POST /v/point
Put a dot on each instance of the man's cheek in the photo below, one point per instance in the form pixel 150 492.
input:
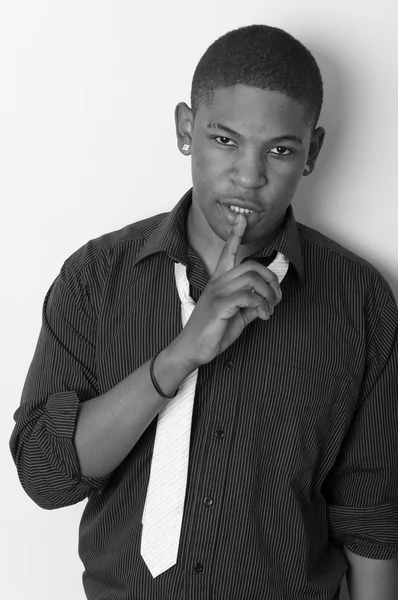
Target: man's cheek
pixel 287 183
pixel 204 171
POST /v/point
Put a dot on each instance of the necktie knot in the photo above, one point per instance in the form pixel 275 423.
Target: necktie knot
pixel 187 304
pixel 180 272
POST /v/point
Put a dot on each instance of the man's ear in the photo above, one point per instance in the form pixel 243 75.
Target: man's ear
pixel 183 117
pixel 317 139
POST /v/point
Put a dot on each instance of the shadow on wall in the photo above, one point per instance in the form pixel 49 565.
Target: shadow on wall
pixel 334 118
pixel 337 107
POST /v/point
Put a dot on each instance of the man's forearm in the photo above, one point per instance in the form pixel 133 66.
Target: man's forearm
pixel 110 425
pixel 370 579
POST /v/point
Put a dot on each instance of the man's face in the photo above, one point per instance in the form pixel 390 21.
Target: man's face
pixel 259 166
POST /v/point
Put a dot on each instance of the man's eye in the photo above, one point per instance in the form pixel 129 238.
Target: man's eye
pixel 223 142
pixel 281 151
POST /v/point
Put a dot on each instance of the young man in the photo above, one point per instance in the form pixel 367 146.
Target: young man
pixel 287 343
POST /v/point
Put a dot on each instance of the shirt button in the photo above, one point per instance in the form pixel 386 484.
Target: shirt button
pixel 198 568
pixel 75 477
pixel 208 501
pixel 219 434
pixel 229 364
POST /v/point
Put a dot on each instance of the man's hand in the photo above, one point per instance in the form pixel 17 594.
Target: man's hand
pixel 233 298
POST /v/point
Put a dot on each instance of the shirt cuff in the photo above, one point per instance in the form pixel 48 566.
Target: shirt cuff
pixel 61 412
pixel 369 549
pixel 61 415
pixel 371 531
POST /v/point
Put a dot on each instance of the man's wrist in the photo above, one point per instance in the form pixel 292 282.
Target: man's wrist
pixel 171 367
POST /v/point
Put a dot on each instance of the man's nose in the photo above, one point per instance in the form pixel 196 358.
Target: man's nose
pixel 249 171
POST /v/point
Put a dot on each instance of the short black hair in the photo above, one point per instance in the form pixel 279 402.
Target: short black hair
pixel 264 57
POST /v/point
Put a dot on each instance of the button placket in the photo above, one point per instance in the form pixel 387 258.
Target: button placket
pixel 212 481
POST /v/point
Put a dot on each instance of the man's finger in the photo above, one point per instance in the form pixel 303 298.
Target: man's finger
pixel 228 256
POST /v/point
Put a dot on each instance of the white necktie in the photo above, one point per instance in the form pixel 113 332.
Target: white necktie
pixel 164 504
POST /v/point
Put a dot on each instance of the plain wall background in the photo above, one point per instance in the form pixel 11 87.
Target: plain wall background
pixel 88 91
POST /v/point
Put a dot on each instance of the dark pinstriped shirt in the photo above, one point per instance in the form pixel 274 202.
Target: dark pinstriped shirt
pixel 294 446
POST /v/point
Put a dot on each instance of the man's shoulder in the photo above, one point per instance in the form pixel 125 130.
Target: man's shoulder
pixel 325 250
pixel 127 240
pixel 317 242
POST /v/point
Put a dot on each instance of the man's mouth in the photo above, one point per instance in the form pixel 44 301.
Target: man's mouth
pixel 230 215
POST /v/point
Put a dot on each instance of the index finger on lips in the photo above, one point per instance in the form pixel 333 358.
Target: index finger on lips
pixel 228 256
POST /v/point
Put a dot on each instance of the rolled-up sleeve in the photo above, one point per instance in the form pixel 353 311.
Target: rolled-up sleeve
pixel 362 488
pixel 61 375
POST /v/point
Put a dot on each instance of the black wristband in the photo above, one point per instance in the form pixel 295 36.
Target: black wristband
pixel 155 383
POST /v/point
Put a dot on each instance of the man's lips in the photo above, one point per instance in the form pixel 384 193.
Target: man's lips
pixel 230 215
pixel 240 204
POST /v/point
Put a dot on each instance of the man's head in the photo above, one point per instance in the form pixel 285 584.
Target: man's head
pixel 265 86
pixel 263 57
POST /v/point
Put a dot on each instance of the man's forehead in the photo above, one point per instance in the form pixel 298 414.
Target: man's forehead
pixel 253 109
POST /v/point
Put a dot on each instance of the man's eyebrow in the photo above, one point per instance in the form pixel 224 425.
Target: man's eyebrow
pixel 213 125
pixel 275 140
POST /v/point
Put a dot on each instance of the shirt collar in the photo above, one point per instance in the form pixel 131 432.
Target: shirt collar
pixel 170 236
